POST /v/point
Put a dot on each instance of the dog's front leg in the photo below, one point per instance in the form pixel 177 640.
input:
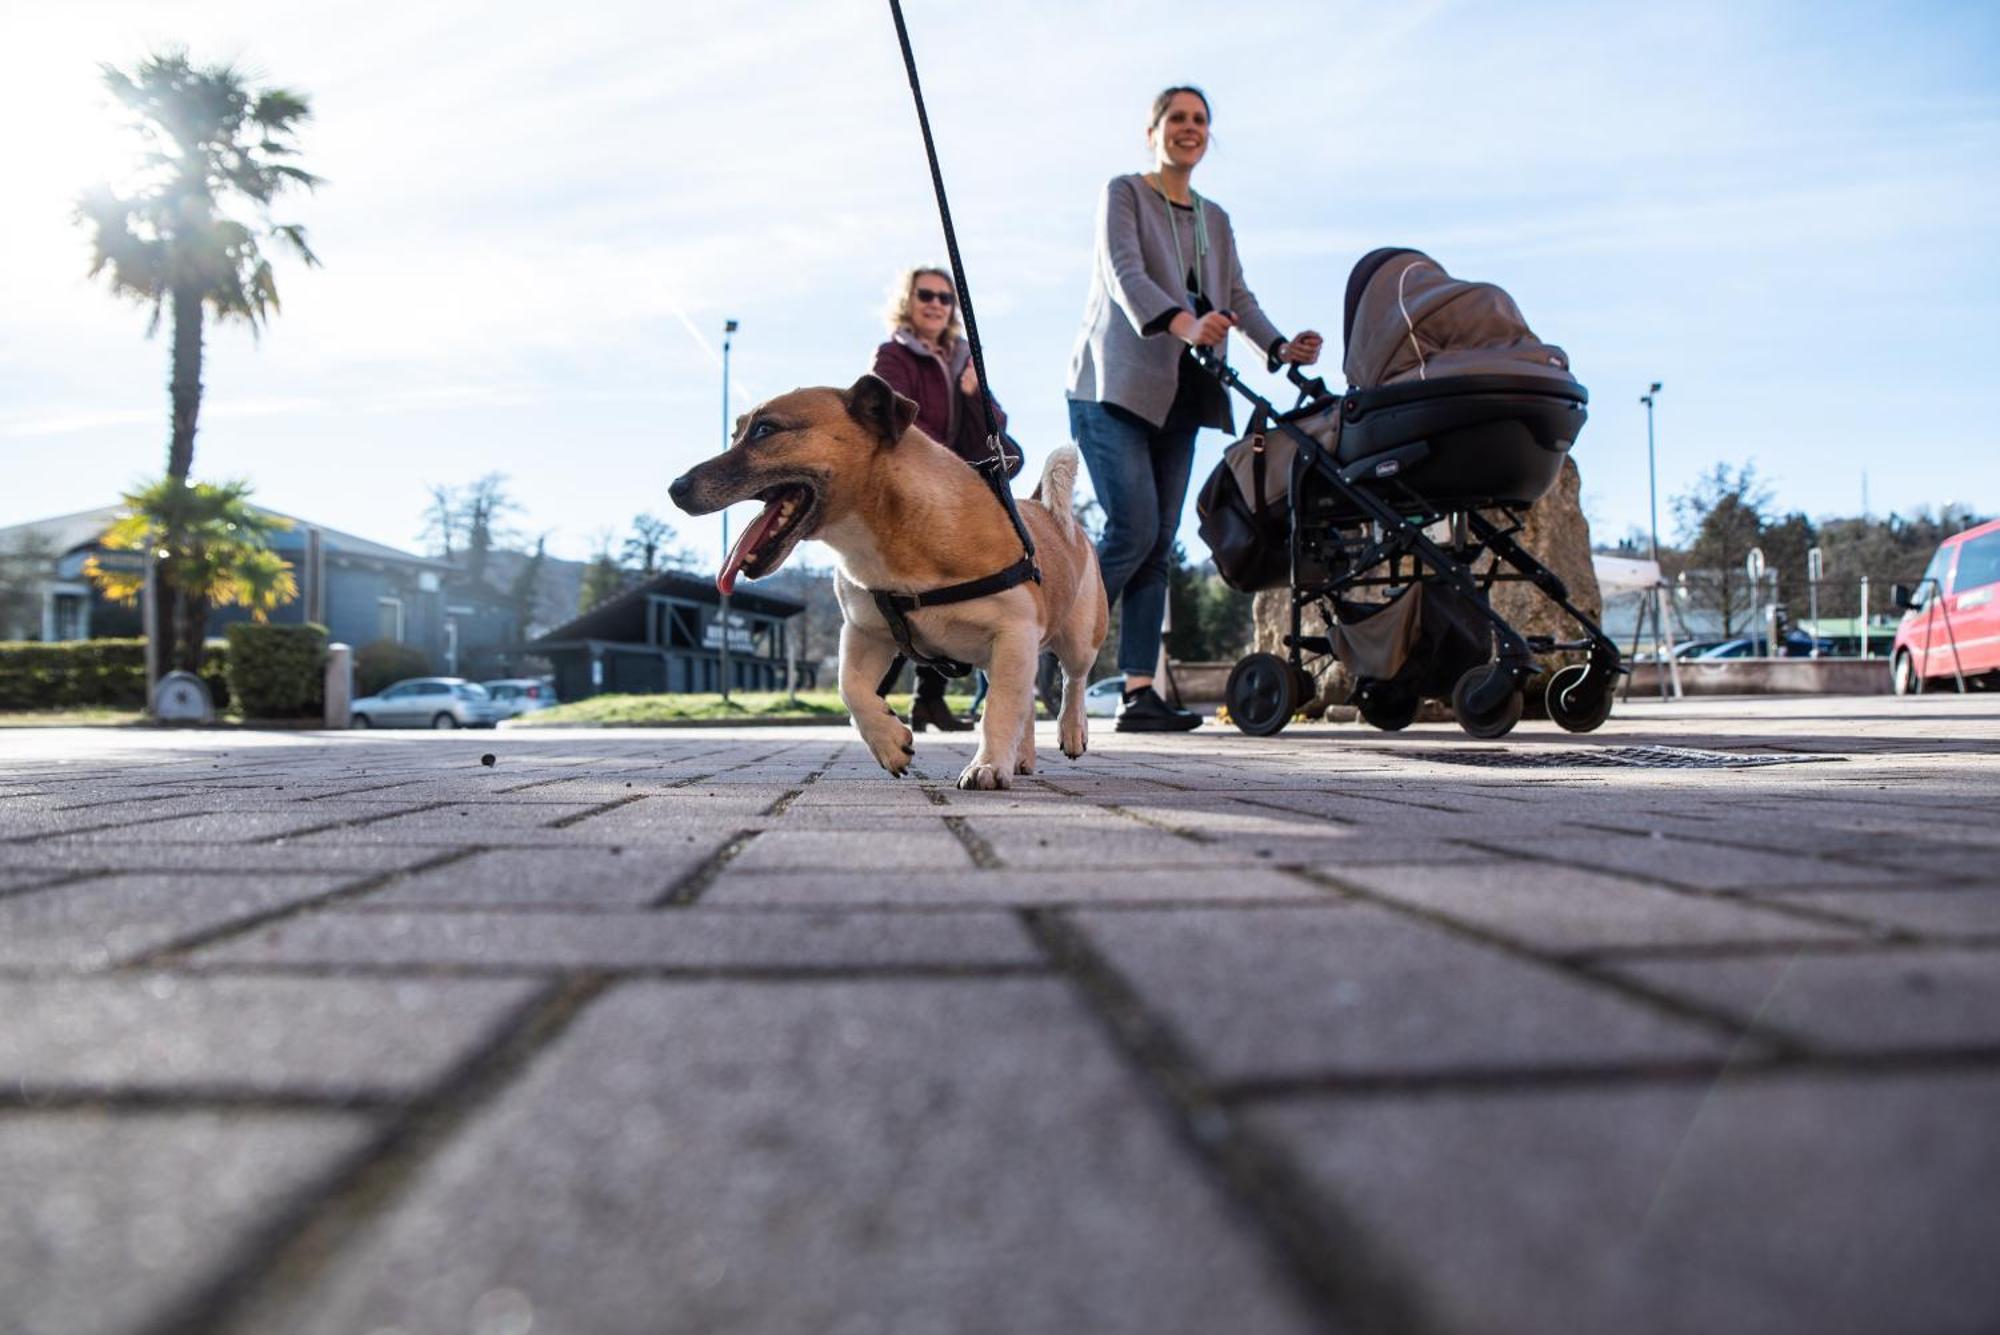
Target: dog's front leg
pixel 864 658
pixel 1010 707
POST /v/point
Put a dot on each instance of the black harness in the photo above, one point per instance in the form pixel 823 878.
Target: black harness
pixel 896 607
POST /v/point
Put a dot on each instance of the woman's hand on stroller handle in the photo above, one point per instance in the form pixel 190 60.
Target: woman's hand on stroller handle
pixel 1302 349
pixel 1205 331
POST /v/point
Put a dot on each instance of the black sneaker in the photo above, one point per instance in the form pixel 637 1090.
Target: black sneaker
pixel 1145 711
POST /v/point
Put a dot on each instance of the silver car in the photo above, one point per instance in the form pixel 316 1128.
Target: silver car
pixel 427 702
pixel 515 696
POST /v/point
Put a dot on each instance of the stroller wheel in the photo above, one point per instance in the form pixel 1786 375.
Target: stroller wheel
pixel 1478 716
pixel 1577 701
pixel 1386 706
pixel 1263 694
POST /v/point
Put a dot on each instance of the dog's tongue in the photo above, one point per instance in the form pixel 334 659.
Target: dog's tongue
pixel 765 521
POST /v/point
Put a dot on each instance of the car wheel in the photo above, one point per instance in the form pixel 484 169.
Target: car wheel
pixel 444 723
pixel 1903 675
pixel 360 721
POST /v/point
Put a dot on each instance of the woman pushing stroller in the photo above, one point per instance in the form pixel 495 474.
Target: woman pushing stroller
pixel 1165 279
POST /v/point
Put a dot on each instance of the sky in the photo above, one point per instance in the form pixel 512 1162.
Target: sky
pixel 536 220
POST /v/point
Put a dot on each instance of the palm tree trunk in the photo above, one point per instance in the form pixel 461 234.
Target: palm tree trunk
pixel 185 386
pixel 170 615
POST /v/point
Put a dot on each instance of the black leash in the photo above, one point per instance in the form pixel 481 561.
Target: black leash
pixel 995 468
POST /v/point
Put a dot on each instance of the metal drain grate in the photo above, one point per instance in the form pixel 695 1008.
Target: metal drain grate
pixel 1613 757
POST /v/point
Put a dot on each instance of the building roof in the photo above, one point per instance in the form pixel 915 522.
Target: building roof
pixel 623 619
pixel 66 533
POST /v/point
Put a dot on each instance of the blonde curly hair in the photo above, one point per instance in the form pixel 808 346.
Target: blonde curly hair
pixel 902 293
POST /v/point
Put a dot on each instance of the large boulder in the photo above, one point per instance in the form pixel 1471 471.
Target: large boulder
pixel 1557 534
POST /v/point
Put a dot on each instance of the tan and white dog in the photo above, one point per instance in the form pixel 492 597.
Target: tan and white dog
pixel 906 515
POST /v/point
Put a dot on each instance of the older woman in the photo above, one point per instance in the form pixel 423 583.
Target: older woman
pixel 926 359
pixel 1166 280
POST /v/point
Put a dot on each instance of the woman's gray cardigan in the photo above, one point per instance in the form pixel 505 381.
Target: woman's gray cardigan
pixel 1124 355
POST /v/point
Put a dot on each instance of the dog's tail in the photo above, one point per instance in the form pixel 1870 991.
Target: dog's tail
pixel 1057 490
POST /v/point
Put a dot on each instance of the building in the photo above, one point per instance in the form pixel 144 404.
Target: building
pixel 667 635
pixel 361 591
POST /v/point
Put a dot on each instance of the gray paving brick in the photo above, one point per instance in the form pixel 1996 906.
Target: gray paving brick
pixel 1776 1206
pixel 681 939
pixel 1866 1001
pixel 552 877
pixel 1697 866
pixel 969 889
pixel 1950 912
pixel 109 919
pixel 1074 846
pixel 1362 990
pixel 217 827
pixel 815 1158
pixel 1569 908
pixel 162 1032
pixel 126 1213
pixel 916 852
pixel 285 855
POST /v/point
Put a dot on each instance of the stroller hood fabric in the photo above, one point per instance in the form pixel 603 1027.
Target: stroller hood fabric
pixel 1407 319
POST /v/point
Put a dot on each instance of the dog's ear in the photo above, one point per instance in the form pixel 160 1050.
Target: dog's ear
pixel 881 409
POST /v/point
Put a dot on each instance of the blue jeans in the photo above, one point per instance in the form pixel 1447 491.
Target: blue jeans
pixel 1140 474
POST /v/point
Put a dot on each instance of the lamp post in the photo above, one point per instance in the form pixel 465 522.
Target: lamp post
pixel 1652 483
pixel 728 333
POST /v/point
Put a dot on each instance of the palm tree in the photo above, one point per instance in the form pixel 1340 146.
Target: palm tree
pixel 178 239
pixel 221 557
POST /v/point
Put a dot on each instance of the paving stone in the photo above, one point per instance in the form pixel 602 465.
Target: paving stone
pixel 1962 911
pixel 284 855
pixel 917 852
pixel 323 1036
pixel 680 939
pixel 1567 908
pixel 735 1158
pixel 551 877
pixel 126 1213
pixel 109 919
pixel 1697 866
pixel 1776 1205
pixel 1126 844
pixel 1362 990
pixel 1871 1001
pixel 218 827
pixel 970 889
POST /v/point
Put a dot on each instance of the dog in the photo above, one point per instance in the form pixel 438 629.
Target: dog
pixel 906 515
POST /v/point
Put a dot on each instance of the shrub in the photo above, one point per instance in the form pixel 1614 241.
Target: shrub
pixel 85 674
pixel 382 663
pixel 277 671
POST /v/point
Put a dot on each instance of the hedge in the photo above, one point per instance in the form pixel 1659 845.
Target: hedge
pixel 277 671
pixel 380 664
pixel 91 674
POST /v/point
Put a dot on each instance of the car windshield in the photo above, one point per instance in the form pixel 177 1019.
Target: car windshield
pixel 469 691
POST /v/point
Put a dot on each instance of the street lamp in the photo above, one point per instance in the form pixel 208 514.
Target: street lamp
pixel 1652 484
pixel 728 333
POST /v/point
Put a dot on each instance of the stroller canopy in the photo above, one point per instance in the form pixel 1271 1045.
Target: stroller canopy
pixel 1407 319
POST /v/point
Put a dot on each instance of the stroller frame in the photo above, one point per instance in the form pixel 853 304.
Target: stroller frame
pixel 1385 544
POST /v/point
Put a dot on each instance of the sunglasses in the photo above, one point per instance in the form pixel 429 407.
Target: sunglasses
pixel 927 295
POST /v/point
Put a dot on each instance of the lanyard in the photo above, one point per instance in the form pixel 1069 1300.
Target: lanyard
pixel 1200 240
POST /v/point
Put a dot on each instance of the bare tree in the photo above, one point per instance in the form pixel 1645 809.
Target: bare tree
pixel 646 550
pixel 441 520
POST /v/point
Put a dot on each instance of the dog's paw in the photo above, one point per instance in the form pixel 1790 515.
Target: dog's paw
pixel 1073 740
pixel 985 776
pixel 892 745
pixel 1024 766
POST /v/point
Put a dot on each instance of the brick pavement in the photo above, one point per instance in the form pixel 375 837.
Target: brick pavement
pixel 727 1032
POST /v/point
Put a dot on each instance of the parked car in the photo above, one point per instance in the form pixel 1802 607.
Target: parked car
pixel 1951 617
pixel 1695 648
pixel 1797 644
pixel 514 696
pixel 427 702
pixel 1102 699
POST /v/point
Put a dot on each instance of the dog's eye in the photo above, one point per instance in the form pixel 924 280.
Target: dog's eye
pixel 759 430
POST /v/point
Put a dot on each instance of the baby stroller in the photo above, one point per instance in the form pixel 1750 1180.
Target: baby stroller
pixel 1404 497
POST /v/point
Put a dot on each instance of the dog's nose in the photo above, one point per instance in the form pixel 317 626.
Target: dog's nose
pixel 678 491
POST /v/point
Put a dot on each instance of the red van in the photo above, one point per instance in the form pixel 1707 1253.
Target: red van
pixel 1951 620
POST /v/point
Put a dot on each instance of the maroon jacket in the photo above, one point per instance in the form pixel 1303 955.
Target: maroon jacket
pixel 944 413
